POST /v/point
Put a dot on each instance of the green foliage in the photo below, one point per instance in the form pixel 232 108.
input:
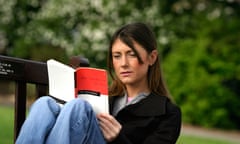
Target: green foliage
pixel 198 41
pixel 201 70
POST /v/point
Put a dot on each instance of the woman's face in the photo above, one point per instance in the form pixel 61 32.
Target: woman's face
pixel 126 64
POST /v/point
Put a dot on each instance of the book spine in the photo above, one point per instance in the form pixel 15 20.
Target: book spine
pixel 75 84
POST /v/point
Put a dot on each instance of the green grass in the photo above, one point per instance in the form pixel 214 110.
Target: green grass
pixel 6 124
pixel 6 134
pixel 186 139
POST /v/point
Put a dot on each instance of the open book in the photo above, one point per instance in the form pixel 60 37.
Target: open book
pixel 90 84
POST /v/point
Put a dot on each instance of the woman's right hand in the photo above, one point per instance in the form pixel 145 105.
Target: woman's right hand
pixel 110 126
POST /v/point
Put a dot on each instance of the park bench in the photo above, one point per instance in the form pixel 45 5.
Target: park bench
pixel 22 72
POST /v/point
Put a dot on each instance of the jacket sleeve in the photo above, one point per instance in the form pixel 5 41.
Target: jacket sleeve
pixel 168 129
pixel 121 139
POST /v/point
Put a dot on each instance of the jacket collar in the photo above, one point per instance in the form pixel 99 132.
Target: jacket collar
pixel 152 105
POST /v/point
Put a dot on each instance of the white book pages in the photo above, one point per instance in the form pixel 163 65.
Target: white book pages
pixel 61 80
pixel 99 103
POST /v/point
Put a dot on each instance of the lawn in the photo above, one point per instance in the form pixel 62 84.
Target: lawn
pixel 6 124
pixel 6 127
pixel 186 139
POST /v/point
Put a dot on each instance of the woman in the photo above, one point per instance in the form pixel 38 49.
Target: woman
pixel 140 107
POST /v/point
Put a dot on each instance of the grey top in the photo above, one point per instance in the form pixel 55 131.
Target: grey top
pixel 122 102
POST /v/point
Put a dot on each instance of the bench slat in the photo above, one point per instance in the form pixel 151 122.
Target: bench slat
pixel 20 106
pixel 23 70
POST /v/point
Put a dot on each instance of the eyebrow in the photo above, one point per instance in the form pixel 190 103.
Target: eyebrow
pixel 128 51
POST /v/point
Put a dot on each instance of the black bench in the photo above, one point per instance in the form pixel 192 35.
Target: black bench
pixel 24 71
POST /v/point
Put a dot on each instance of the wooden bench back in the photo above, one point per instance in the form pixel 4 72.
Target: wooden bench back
pixel 24 71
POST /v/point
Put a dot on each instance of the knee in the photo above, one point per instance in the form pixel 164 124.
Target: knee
pixel 44 99
pixel 46 102
pixel 79 111
pixel 80 105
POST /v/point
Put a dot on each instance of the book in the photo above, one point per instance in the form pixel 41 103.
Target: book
pixel 90 84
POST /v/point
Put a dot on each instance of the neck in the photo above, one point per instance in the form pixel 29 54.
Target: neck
pixel 134 91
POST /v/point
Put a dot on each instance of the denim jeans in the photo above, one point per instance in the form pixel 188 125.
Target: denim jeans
pixel 48 123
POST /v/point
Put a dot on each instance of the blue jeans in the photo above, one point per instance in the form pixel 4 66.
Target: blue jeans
pixel 48 123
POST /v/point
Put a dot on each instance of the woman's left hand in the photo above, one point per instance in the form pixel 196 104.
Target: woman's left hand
pixel 110 126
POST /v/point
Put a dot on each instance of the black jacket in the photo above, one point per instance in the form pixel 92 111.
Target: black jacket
pixel 153 120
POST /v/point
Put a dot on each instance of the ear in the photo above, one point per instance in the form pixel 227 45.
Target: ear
pixel 152 57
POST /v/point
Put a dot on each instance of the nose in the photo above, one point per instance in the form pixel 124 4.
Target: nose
pixel 124 61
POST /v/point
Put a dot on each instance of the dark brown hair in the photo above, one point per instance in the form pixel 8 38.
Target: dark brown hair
pixel 143 35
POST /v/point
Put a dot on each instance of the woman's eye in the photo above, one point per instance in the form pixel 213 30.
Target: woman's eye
pixel 116 56
pixel 132 54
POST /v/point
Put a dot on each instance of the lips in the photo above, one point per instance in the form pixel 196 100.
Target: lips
pixel 125 74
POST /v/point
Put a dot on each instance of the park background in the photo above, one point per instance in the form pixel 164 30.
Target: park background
pixel 198 41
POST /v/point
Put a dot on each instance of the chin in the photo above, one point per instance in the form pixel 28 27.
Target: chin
pixel 127 82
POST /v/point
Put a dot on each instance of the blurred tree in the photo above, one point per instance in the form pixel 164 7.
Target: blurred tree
pixel 202 66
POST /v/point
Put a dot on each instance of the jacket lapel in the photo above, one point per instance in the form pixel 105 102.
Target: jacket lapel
pixel 152 105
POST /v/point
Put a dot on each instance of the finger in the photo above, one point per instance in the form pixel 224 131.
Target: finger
pixel 108 134
pixel 108 118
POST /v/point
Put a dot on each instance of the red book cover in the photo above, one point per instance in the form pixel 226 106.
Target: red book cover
pixel 91 80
